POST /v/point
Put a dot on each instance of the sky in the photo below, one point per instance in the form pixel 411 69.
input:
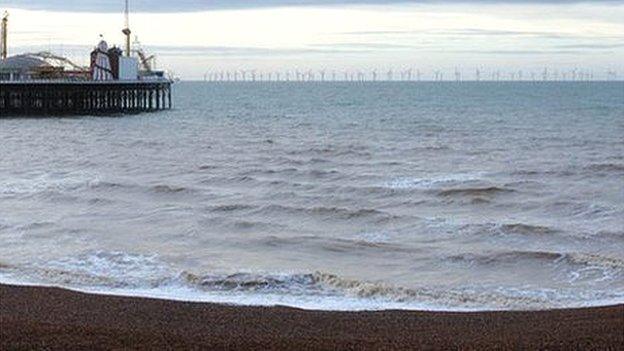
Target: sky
pixel 194 38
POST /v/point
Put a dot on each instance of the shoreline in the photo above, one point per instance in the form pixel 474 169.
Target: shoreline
pixel 54 318
pixel 243 301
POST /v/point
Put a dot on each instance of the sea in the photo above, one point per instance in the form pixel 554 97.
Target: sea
pixel 328 196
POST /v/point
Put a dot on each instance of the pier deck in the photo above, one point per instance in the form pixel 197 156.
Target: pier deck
pixel 62 97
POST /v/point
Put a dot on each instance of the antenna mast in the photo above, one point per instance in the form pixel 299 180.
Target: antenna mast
pixel 4 49
pixel 126 31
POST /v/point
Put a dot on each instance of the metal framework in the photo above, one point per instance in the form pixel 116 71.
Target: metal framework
pixel 56 60
pixel 41 98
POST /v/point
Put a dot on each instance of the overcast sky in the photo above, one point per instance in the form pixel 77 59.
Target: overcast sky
pixel 192 37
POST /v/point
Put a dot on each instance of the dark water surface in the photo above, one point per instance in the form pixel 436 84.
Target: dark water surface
pixel 328 195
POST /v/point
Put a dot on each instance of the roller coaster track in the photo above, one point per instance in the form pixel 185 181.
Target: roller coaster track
pixel 56 60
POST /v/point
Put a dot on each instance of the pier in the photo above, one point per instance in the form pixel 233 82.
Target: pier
pixel 44 98
pixel 116 81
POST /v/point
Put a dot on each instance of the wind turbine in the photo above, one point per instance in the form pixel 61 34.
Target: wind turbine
pixel 439 75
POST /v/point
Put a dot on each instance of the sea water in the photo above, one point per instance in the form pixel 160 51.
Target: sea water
pixel 343 196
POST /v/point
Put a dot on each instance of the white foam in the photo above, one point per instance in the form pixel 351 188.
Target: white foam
pixel 433 181
pixel 326 303
pixel 43 181
pixel 337 295
pixel 130 274
pixel 373 237
pixel 187 294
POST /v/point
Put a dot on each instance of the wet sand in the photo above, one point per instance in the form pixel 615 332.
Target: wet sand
pixel 57 319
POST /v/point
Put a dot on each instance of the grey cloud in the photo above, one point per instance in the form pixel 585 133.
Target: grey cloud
pixel 364 46
pixel 517 52
pixel 476 32
pixel 592 46
pixel 247 52
pixel 351 49
pixel 201 5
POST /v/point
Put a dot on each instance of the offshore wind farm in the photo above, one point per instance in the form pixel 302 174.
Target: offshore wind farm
pixel 410 75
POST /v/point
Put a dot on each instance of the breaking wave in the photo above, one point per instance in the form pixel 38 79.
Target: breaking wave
pixel 169 189
pixel 45 182
pixel 229 208
pixel 486 192
pixel 365 241
pixel 527 229
pixel 589 260
pixel 327 212
pixel 124 273
pixel 434 181
pixel 606 168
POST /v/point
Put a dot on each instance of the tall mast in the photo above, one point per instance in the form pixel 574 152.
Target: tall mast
pixel 126 31
pixel 4 48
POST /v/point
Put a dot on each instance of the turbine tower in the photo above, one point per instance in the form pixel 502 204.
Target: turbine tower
pixel 126 31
